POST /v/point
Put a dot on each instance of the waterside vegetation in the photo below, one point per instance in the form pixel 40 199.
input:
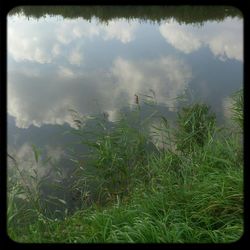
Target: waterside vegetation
pixel 183 14
pixel 187 190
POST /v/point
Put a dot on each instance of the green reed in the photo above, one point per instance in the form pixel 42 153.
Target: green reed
pixel 238 108
pixel 191 192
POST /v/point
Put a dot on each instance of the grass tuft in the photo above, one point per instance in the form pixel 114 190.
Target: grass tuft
pixel 189 193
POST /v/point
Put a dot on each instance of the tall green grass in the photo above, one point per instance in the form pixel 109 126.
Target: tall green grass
pixel 196 125
pixel 25 199
pixel 116 155
pixel 189 193
pixel 238 108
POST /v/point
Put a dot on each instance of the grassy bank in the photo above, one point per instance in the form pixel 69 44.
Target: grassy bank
pixel 190 190
pixel 183 14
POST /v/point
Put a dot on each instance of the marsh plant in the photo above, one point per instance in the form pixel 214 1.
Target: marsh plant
pixel 132 191
pixel 27 200
pixel 195 126
pixel 238 108
pixel 116 152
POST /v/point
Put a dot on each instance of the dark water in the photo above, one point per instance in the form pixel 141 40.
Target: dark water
pixel 95 59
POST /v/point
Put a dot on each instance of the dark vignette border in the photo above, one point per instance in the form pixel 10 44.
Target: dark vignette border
pixel 5 7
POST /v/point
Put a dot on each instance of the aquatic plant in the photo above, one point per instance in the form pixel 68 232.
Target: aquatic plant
pixel 115 152
pixel 196 125
pixel 26 201
pixel 166 196
pixel 238 108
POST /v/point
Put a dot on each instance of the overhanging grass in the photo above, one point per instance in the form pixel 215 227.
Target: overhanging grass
pixel 203 204
pixel 175 196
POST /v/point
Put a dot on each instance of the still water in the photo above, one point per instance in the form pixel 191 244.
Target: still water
pixel 61 59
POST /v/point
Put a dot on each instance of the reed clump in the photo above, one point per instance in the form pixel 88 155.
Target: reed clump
pixel 132 191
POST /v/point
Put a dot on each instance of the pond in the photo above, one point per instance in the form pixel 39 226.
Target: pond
pixel 95 60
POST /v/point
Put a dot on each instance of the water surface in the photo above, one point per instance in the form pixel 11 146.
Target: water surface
pixel 96 60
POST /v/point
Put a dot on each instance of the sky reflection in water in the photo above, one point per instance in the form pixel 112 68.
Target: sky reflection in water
pixel 55 64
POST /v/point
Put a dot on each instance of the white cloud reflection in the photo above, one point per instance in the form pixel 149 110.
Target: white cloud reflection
pixel 28 165
pixel 120 30
pixel 22 46
pixel 167 76
pixel 182 37
pixel 56 50
pixel 42 94
pixel 46 100
pixel 36 41
pixel 225 39
pixel 76 56
pixel 65 72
